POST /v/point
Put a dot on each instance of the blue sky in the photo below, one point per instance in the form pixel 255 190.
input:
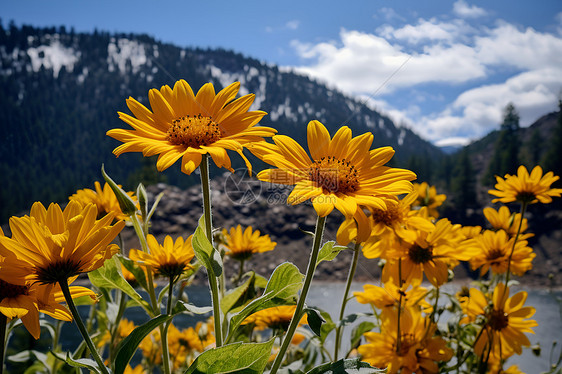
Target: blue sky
pixel 446 69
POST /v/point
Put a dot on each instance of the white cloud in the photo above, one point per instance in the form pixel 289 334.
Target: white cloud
pixel 389 14
pixel 292 25
pixel 363 62
pixel 462 9
pixel 450 53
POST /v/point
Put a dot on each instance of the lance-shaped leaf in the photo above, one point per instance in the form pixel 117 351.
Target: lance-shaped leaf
pixel 204 251
pixel 315 320
pixel 358 332
pixel 110 276
pixel 282 289
pixel 247 358
pixel 127 204
pixel 183 307
pixel 239 296
pixel 129 345
pixel 329 251
pixel 85 363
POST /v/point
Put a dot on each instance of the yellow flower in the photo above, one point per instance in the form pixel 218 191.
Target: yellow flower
pixel 526 188
pixel 416 350
pixel 342 172
pixel 105 200
pixel 22 298
pixel 241 245
pixel 184 125
pixel 503 219
pixel 58 245
pixel 428 197
pixel 432 253
pixel 492 249
pixel 506 321
pixel 277 317
pixel 170 259
pixel 390 295
pixel 396 221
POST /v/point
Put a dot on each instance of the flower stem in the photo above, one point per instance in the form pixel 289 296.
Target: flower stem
pixel 320 223
pixel 70 303
pixel 522 212
pixel 164 332
pixel 215 291
pixel 350 275
pixel 398 337
pixel 3 325
pixel 240 273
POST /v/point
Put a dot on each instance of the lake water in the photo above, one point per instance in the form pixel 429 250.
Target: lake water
pixel 327 296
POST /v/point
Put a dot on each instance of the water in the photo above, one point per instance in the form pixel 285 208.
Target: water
pixel 327 296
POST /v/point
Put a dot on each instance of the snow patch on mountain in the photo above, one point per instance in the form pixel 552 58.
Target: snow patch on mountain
pixel 245 77
pixel 122 51
pixel 53 56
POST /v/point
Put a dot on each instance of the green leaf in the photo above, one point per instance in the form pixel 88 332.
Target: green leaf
pixel 315 320
pixel 204 251
pixel 329 251
pixel 239 295
pixel 358 332
pixel 343 366
pixel 242 358
pixel 282 289
pixel 136 270
pixel 183 307
pixel 110 276
pixel 129 345
pixel 127 204
pixel 350 318
pixel 86 363
pixel 327 327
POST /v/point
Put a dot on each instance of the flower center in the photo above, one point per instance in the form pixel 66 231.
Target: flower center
pixel 8 290
pixel 57 271
pixel 387 217
pixel 406 342
pixel 334 175
pixel 194 131
pixel 420 255
pixel 494 255
pixel 498 319
pixel 526 196
pixel 171 269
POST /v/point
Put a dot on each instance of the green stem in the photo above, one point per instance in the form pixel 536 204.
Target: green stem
pixel 240 273
pixel 523 210
pixel 141 233
pixel 215 292
pixel 398 338
pixel 320 223
pixel 70 303
pixel 164 331
pixel 3 338
pixel 350 275
pixel 115 330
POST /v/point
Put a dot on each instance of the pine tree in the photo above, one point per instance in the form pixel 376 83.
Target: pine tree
pixel 464 184
pixel 506 153
pixel 552 160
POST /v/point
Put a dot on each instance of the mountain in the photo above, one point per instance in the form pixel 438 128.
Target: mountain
pixel 61 91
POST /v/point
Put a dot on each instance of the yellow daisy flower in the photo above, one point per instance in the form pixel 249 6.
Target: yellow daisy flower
pixel 240 245
pixel 24 299
pixel 526 188
pixel 58 244
pixel 104 198
pixel 506 321
pixel 428 197
pixel 416 350
pixel 170 259
pixel 184 125
pixel 492 249
pixel 342 172
pixel 277 318
pixel 503 219
pixel 391 295
pixel 396 222
pixel 432 253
